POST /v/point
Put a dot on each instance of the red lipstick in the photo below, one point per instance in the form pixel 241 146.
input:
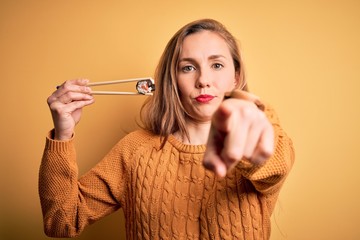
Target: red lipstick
pixel 204 98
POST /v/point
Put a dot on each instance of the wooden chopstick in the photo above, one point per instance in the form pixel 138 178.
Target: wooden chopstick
pixel 118 93
pixel 118 81
pixel 92 84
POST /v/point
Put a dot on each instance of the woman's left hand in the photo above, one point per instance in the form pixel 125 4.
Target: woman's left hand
pixel 239 129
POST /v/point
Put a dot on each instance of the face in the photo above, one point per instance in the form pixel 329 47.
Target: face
pixel 205 72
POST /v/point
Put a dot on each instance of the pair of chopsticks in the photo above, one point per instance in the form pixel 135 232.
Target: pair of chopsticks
pixel 92 84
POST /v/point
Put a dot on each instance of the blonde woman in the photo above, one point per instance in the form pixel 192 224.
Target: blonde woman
pixel 208 163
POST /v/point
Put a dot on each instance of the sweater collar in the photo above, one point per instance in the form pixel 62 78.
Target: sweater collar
pixel 186 148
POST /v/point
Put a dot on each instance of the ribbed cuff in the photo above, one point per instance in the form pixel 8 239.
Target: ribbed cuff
pixel 58 145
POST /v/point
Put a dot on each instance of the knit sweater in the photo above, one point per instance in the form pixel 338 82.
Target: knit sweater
pixel 165 193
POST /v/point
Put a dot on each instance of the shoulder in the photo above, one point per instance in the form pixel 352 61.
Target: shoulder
pixel 139 137
pixel 135 141
pixel 271 114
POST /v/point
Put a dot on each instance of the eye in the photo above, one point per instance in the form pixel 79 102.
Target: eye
pixel 188 68
pixel 217 66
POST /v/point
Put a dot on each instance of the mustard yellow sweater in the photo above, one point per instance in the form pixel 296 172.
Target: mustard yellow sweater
pixel 165 193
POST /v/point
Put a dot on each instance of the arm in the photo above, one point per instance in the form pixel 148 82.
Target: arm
pixel 69 204
pixel 252 140
pixel 269 176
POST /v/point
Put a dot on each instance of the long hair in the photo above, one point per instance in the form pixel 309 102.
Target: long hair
pixel 163 113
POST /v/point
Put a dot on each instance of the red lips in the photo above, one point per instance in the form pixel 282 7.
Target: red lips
pixel 204 98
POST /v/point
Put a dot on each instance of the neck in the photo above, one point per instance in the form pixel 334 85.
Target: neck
pixel 198 133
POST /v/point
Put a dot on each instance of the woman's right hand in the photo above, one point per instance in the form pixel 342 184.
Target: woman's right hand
pixel 66 105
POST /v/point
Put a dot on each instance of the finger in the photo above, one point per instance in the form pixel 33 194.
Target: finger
pixel 76 85
pixel 265 146
pixel 220 120
pixel 212 161
pixel 235 141
pixel 71 107
pixel 240 122
pixel 65 96
pixel 62 115
pixel 227 119
pixel 61 108
pixel 74 96
pixel 78 81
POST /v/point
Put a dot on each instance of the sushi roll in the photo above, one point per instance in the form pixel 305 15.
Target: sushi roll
pixel 145 86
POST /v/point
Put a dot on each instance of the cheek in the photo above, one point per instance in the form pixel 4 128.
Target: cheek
pixel 231 83
pixel 230 86
pixel 180 89
pixel 183 88
pixel 226 85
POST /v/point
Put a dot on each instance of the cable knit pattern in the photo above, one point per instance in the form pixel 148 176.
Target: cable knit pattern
pixel 165 193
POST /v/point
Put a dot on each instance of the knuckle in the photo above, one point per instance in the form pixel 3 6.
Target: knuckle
pixel 270 151
pixel 247 112
pixel 56 108
pixel 262 116
pixel 49 100
pixel 67 85
pixel 250 110
pixel 69 96
pixel 266 152
pixel 83 89
pixel 231 156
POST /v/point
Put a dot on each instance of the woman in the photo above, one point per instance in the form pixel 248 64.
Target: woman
pixel 157 174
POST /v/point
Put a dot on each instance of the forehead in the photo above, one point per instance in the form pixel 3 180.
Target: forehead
pixel 205 43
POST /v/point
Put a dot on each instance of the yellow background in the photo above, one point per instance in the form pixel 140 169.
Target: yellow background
pixel 301 56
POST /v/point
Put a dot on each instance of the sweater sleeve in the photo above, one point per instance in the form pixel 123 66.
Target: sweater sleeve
pixel 68 203
pixel 269 177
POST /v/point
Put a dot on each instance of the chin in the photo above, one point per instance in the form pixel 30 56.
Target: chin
pixel 202 113
pixel 204 117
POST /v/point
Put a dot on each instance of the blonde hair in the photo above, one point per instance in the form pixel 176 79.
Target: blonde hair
pixel 163 113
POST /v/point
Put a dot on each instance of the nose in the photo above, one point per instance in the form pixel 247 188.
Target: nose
pixel 203 79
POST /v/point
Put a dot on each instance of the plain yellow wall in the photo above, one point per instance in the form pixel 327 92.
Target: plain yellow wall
pixel 301 56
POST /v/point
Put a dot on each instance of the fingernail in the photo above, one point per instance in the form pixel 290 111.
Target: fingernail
pixel 87 96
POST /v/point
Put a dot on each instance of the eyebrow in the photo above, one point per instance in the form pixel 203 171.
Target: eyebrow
pixel 212 57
